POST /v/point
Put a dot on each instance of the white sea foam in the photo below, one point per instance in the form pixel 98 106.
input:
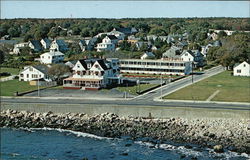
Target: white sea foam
pixel 78 134
pixel 192 152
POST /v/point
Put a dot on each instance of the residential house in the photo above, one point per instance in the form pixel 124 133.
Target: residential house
pixel 151 37
pixel 51 57
pixel 126 31
pixel 108 43
pixel 35 45
pixel 213 36
pixel 181 44
pixel 132 37
pixel 45 43
pixel 85 45
pixel 18 47
pixel 141 44
pixel 194 56
pixel 71 64
pixel 119 35
pixel 154 48
pixel 30 73
pixel 148 55
pixel 59 45
pixel 93 74
pixel 170 39
pixel 217 43
pixel 172 53
pixel 242 69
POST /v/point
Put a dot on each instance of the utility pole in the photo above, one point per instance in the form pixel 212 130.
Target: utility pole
pixel 161 85
pixel 192 72
pixel 38 92
pixel 139 85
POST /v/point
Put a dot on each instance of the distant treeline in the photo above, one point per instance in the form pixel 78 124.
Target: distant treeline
pixel 41 28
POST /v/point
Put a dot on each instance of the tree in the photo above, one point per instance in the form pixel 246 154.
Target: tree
pixel 124 45
pixel 84 33
pixel 222 34
pixel 27 37
pixel 1 57
pixel 14 32
pixel 57 71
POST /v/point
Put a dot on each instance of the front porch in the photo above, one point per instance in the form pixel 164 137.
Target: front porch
pixel 83 83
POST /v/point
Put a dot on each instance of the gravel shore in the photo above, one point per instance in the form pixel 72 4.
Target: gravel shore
pixel 219 134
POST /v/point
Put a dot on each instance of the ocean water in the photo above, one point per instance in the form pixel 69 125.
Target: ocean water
pixel 56 144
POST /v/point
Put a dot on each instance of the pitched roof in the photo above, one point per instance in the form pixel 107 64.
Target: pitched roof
pixel 42 68
pixel 149 54
pixel 112 37
pixel 60 42
pixel 237 64
pixel 54 53
pixel 46 40
pixel 37 44
pixel 189 51
pixel 84 64
pixel 173 52
pixel 102 64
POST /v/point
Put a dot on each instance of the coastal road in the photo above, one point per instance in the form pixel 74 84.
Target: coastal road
pixel 174 86
pixel 72 101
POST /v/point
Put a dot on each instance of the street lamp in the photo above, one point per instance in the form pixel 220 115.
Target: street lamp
pixel 161 85
pixel 38 93
pixel 192 64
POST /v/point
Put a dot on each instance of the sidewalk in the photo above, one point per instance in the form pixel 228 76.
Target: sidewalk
pixel 73 98
pixel 207 102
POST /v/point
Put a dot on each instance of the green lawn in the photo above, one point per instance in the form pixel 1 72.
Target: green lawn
pixel 133 89
pixel 13 71
pixel 232 89
pixel 8 88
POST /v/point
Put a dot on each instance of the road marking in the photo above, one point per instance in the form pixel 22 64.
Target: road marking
pixel 212 95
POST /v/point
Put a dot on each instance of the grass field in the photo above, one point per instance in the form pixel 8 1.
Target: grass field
pixel 133 89
pixel 8 88
pixel 13 71
pixel 231 89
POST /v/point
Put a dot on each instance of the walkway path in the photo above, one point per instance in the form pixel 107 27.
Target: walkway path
pixel 212 95
pixel 7 78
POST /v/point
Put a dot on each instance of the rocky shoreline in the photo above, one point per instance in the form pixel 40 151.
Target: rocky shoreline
pixel 219 134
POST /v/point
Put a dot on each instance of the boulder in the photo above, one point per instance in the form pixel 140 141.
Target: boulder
pixel 218 148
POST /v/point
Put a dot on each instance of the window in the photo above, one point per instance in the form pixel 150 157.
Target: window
pixel 27 75
pixel 31 69
pixel 238 70
pixel 244 65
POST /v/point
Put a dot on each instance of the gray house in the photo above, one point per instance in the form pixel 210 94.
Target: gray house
pixel 59 45
pixel 35 45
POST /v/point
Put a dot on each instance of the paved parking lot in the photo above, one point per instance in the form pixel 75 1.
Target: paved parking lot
pixel 105 93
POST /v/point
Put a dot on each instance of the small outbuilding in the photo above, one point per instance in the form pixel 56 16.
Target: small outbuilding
pixel 242 69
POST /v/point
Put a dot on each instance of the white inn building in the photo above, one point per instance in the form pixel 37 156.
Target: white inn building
pixel 93 74
pixel 167 67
